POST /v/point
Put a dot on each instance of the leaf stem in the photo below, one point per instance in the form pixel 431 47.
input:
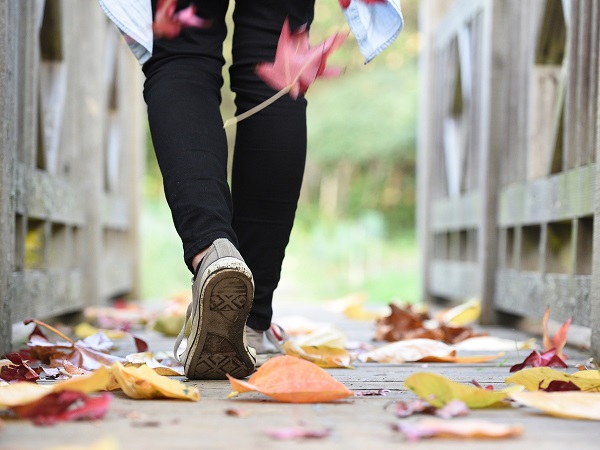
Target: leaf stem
pixel 51 328
pixel 258 107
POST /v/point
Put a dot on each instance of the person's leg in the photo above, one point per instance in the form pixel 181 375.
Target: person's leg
pixel 270 148
pixel 182 91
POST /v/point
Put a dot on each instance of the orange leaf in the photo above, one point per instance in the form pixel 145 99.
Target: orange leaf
pixel 560 338
pixel 462 359
pixel 293 380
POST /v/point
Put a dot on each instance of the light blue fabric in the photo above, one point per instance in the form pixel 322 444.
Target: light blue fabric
pixel 374 25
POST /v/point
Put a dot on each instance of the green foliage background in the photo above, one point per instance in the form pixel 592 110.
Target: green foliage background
pixel 355 223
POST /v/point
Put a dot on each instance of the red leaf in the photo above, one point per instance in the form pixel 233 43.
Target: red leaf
pixel 559 386
pixel 296 64
pixel 18 371
pixel 140 344
pixel 168 23
pixel 64 406
pixel 559 340
pixel 537 359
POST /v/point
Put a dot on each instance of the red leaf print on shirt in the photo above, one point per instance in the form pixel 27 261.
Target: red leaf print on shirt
pixel 345 3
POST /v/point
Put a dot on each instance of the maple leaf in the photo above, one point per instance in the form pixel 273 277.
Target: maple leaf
pixel 346 3
pixel 559 340
pixel 296 66
pixel 537 359
pixel 64 406
pixel 17 369
pixel 293 380
pixel 168 23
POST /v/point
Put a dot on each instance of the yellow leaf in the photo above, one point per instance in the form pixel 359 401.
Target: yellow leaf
pixel 463 314
pixel 85 329
pixel 323 336
pixel 586 380
pixel 16 394
pixel 572 404
pixel 143 383
pixel 439 390
pixel 91 382
pixel 326 357
pixel 293 380
pixel 147 358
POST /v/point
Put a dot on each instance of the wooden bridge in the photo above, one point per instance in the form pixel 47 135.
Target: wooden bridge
pixel 508 157
pixel 71 141
pixel 508 147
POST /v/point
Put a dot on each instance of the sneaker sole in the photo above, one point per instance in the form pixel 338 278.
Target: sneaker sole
pixel 220 347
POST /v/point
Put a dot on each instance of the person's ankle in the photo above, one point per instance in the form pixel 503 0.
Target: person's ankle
pixel 198 257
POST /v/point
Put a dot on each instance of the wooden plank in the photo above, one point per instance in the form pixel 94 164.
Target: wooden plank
pixel 454 279
pixel 456 18
pixel 595 289
pixel 560 197
pixel 571 138
pixel 41 195
pixel 449 214
pixel 48 292
pixel 527 294
pixel 8 144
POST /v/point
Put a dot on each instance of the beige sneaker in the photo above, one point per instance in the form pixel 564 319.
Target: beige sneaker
pixel 267 344
pixel 222 296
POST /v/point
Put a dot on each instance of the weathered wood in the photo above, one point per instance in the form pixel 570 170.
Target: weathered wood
pixel 71 144
pixel 8 137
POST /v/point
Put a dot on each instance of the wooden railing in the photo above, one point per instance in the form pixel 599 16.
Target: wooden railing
pixel 507 160
pixel 71 143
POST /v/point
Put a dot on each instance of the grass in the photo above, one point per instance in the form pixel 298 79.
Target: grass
pixel 324 260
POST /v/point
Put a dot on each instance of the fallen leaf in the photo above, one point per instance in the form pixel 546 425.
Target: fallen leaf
pixel 407 351
pixel 559 340
pixel 540 378
pixel 476 429
pixel 149 360
pixel 291 433
pixel 439 391
pixel 462 359
pixel 323 336
pixel 326 357
pixel 493 344
pixel 453 408
pixel 16 369
pixel 85 329
pixel 560 386
pixel 570 405
pixel 464 314
pixel 377 393
pixel 64 406
pixel 143 383
pixel 536 359
pixel 293 380
pixel 404 323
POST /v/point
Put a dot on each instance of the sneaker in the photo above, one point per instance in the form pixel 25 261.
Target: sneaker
pixel 222 295
pixel 267 344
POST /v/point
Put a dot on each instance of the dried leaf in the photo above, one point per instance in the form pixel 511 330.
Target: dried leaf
pixel 540 378
pixel 439 391
pixel 148 359
pixel 322 356
pixel 17 369
pixel 537 359
pixel 292 433
pixel 143 383
pixel 559 340
pixel 493 344
pixel 570 405
pixel 407 351
pixel 462 359
pixel 323 336
pixel 405 323
pixel 476 429
pixel 64 406
pixel 293 380
pixel 560 386
pixel 454 408
pixel 464 314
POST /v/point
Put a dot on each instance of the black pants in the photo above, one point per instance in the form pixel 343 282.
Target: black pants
pixel 182 91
